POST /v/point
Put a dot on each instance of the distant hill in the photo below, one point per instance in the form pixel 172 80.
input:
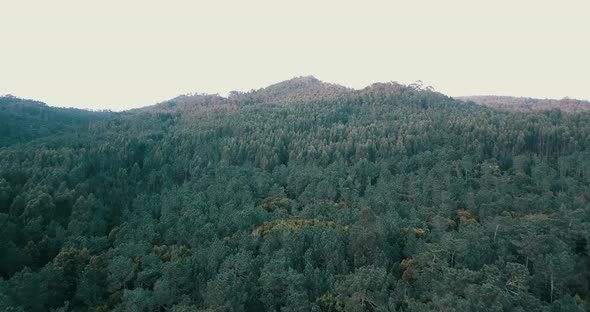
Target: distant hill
pixel 528 104
pixel 304 89
pixel 24 120
pixel 300 89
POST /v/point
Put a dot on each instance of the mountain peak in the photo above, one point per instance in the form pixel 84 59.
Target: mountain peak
pixel 305 79
pixel 297 83
pixel 297 89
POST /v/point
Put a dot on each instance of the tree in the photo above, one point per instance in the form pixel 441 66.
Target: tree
pixel 28 290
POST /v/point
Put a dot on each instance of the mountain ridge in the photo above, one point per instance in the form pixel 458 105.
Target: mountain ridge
pixel 309 88
pixel 302 89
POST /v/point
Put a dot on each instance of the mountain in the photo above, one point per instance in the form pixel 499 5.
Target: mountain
pixel 305 89
pixel 529 104
pixel 301 196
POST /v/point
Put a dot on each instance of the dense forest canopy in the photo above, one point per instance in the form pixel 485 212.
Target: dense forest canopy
pixel 27 120
pixel 303 196
pixel 529 104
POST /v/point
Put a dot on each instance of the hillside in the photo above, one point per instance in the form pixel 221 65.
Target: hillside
pixel 529 104
pixel 302 196
pixel 23 120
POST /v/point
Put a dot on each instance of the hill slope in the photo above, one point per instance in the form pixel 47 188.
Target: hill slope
pixel 301 196
pixel 25 120
pixel 529 104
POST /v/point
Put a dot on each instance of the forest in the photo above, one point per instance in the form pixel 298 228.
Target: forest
pixel 302 196
pixel 529 104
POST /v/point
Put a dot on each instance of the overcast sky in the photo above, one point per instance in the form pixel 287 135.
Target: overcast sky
pixel 125 54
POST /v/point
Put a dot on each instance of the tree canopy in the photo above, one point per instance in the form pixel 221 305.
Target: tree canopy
pixel 303 196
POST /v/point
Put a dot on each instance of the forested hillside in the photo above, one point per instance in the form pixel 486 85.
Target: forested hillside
pixel 303 196
pixel 529 104
pixel 22 120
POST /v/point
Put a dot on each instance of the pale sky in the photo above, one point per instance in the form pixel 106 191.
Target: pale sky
pixel 126 54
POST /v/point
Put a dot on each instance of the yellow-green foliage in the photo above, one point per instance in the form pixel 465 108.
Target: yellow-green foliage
pixel 451 223
pixel 406 266
pixel 96 261
pixel 466 216
pixel 328 302
pixel 536 216
pixel 341 204
pixel 274 203
pixel 102 308
pixel 181 252
pixel 419 231
pixel 163 251
pixel 171 253
pixel 69 257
